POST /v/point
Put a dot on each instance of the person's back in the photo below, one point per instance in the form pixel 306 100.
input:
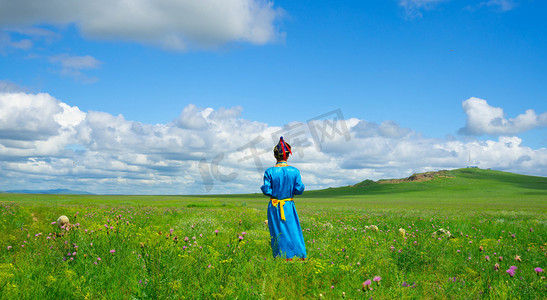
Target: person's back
pixel 281 183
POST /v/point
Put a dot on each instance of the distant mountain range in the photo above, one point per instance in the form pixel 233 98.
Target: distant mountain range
pixel 53 191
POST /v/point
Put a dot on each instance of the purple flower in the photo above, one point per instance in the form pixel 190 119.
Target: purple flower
pixel 216 232
pixel 377 279
pixel 366 285
pixel 98 258
pixel 9 248
pixel 112 251
pixel 538 270
pixel 241 238
pixel 511 272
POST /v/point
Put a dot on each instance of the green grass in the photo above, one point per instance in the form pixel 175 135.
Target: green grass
pixel 504 213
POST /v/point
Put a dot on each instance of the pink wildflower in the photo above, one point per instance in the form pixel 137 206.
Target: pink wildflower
pixel 366 285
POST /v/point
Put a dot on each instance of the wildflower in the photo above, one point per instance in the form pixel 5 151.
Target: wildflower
pixel 500 258
pixel 216 232
pixel 186 239
pixel 496 267
pixel 332 286
pixel 112 251
pixel 481 249
pixel 511 272
pixel 9 248
pixel 98 259
pixel 458 250
pixel 487 258
pixel 377 279
pixel 240 238
pixel 53 223
pixel 538 270
pixel 366 285
pixel 517 258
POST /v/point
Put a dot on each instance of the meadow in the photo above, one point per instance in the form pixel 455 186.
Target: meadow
pixel 467 234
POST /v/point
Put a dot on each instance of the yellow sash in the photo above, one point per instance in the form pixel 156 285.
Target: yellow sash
pixel 281 203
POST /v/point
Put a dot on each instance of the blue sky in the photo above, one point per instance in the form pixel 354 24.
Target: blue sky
pixel 421 85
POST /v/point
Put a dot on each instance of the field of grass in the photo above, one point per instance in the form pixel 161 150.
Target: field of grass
pixel 217 246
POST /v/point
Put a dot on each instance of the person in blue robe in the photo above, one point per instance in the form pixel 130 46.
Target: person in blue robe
pixel 281 183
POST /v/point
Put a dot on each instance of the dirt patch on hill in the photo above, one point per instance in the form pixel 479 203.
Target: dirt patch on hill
pixel 427 176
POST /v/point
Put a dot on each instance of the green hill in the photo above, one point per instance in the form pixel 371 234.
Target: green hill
pixel 469 187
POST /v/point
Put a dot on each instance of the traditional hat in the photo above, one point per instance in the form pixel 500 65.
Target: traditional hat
pixel 282 149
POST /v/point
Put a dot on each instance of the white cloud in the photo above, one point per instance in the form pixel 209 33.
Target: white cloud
pixel 485 119
pixel 9 87
pixel 174 25
pixel 413 8
pixel 503 5
pixel 387 129
pixel 26 37
pixel 72 66
pixel 46 143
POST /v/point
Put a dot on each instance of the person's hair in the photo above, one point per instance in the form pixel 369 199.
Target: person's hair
pixel 278 152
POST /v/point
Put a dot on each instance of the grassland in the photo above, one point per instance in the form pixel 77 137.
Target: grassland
pixel 140 247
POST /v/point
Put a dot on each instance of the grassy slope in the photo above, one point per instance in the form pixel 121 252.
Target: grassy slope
pixel 462 189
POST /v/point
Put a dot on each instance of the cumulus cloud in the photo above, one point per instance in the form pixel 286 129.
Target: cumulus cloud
pixel 483 118
pixel 174 25
pixel 46 143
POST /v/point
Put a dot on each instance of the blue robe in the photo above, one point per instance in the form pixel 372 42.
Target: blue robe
pixel 283 182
